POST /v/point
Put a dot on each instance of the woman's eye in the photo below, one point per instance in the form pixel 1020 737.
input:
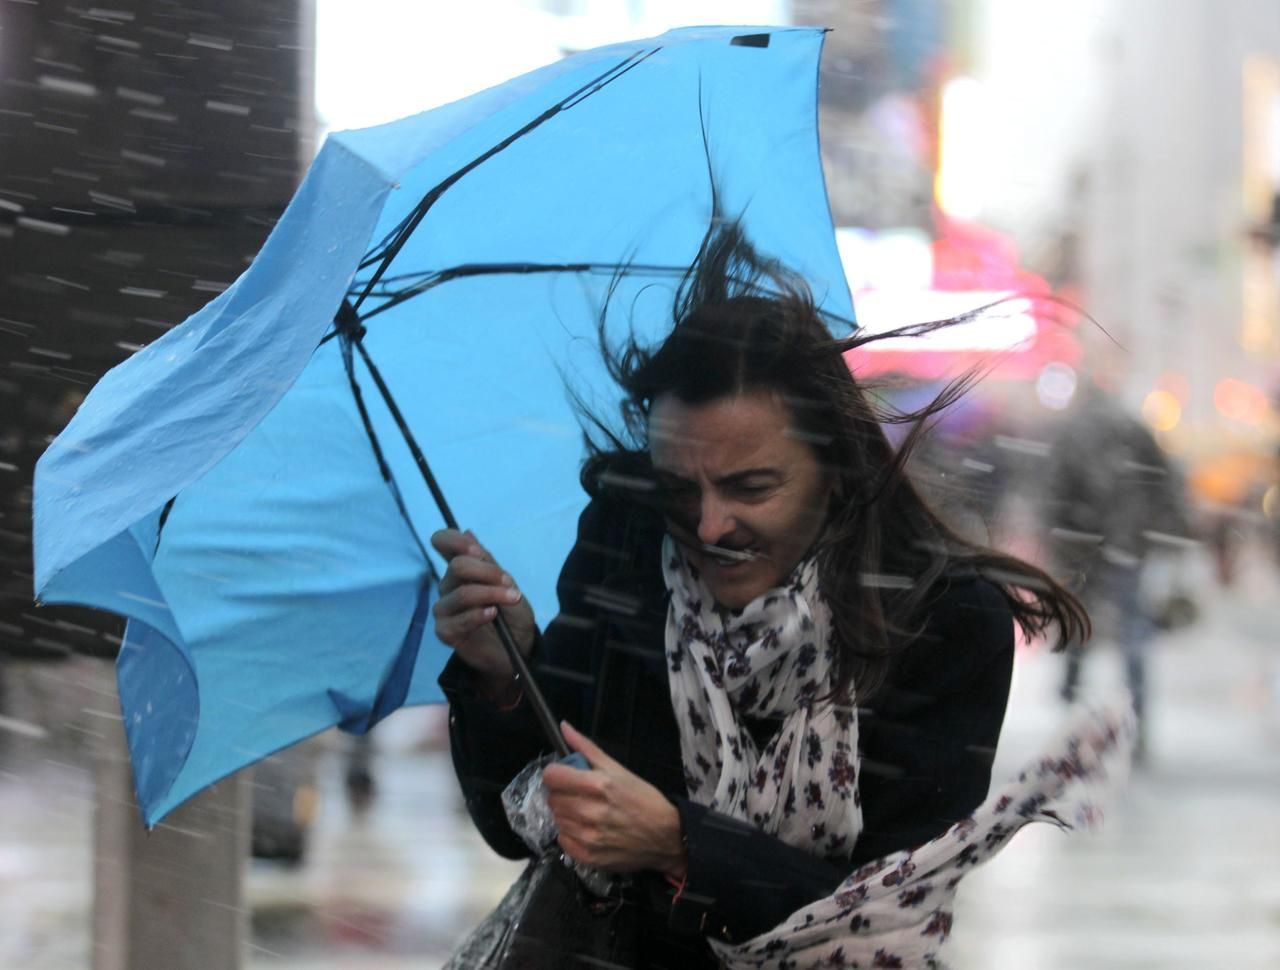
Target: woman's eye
pixel 752 489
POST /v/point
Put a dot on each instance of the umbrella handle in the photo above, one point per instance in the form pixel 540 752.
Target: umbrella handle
pixel 524 677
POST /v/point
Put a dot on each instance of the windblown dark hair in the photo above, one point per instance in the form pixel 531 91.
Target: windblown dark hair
pixel 743 323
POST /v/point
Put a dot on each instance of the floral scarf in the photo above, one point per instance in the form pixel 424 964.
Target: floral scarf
pixel 896 911
pixel 770 660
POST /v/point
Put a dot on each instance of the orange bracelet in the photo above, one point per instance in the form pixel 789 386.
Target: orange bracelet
pixel 677 884
pixel 508 708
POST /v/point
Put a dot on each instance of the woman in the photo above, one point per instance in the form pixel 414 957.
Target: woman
pixel 780 664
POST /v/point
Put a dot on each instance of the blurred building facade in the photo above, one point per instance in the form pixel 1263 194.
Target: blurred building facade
pixel 1139 159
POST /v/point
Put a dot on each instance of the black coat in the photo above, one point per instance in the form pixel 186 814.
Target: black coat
pixel 926 739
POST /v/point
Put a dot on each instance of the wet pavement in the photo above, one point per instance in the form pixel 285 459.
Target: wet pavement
pixel 1185 874
pixel 391 888
pixel 1186 871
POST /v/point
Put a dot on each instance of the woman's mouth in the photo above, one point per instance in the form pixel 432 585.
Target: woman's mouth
pixel 724 558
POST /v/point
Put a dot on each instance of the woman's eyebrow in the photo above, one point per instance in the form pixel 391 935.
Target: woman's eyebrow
pixel 737 478
pixel 733 478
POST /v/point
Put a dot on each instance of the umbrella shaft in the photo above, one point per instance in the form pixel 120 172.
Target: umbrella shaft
pixel 347 319
pixel 523 677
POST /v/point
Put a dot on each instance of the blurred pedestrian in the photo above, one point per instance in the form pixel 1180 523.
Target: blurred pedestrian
pixel 358 776
pixel 1112 501
pixel 753 563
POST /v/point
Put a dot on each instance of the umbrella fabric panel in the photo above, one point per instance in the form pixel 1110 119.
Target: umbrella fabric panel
pixel 396 148
pixel 162 418
pixel 634 149
pixel 160 699
pixel 505 444
pixel 292 625
pixel 119 574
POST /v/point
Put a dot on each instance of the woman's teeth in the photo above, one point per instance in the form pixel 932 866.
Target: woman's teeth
pixel 728 556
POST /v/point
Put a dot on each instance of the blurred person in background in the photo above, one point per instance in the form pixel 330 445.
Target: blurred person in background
pixel 752 564
pixel 1112 501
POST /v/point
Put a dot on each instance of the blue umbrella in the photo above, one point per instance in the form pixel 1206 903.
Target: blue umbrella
pixel 249 489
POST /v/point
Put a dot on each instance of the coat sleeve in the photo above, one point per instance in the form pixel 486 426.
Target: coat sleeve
pixel 491 744
pixel 927 764
pixel 742 882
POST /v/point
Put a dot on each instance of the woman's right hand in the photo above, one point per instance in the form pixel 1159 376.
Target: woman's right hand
pixel 472 589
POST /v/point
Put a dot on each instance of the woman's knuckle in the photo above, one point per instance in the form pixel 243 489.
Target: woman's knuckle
pixel 472 595
pixel 475 568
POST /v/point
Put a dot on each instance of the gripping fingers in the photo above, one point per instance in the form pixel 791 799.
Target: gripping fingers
pixel 465 598
pixel 450 542
pixel 456 628
pixel 465 609
pixel 469 570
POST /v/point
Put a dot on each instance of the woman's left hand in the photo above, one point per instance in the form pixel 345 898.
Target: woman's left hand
pixel 609 817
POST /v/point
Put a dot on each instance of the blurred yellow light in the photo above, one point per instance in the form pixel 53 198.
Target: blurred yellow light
pixel 1161 410
pixel 1271 502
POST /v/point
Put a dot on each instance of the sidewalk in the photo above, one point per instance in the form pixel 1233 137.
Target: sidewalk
pixel 1186 871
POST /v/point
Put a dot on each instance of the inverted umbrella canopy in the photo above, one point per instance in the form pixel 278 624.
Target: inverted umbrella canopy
pixel 245 494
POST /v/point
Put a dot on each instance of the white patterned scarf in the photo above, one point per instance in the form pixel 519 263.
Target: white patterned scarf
pixel 897 911
pixel 771 660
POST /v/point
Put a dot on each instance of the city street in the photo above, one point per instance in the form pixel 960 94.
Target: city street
pixel 847 298
pixel 1185 873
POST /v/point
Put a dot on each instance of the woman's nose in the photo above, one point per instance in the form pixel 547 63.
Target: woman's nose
pixel 714 520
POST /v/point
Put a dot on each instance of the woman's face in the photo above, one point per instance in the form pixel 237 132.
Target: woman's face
pixel 737 477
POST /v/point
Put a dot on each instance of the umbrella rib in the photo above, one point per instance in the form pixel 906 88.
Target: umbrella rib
pixel 434 278
pixel 164 518
pixel 383 467
pixel 394 237
pixel 415 218
pixel 354 333
pixel 495 269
